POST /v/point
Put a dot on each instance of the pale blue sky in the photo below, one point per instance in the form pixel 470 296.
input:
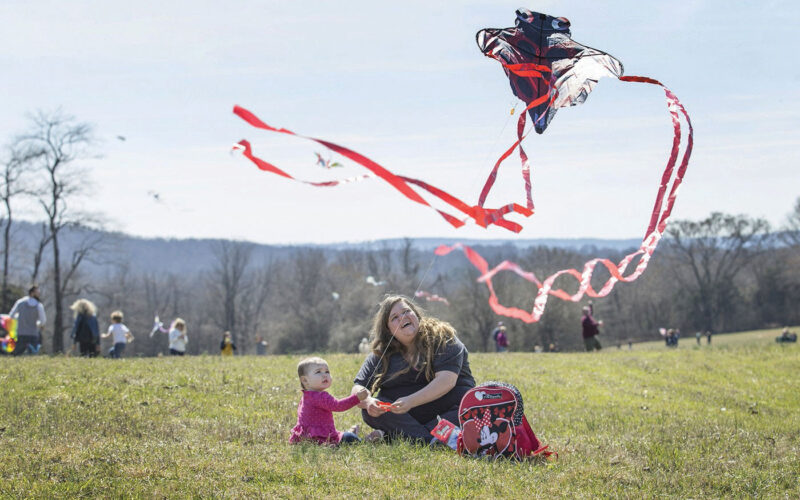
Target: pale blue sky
pixel 404 84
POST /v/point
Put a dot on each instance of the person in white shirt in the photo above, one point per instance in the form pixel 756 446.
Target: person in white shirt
pixel 178 338
pixel 121 335
pixel 29 313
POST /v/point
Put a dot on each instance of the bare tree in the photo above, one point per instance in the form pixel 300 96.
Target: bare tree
pixel 791 233
pixel 59 142
pixel 715 250
pixel 12 184
pixel 229 279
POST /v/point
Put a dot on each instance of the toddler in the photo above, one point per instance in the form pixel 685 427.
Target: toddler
pixel 121 335
pixel 315 411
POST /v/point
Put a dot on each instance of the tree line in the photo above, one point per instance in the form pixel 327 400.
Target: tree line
pixel 723 273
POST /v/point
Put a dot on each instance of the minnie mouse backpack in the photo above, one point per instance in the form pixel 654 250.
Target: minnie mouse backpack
pixel 493 424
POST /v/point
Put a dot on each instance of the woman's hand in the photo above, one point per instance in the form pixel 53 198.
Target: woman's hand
pixel 372 407
pixel 402 405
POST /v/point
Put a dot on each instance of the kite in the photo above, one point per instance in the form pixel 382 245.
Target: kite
pixel 335 295
pixel 158 326
pixel 547 70
pixel 9 341
pixel 371 280
pixel 326 163
pixel 431 297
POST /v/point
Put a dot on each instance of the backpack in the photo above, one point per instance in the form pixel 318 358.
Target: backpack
pixel 493 424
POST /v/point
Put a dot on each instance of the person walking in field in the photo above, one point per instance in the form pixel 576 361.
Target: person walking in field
pixel 85 331
pixel 227 346
pixel 590 329
pixel 29 313
pixel 178 338
pixel 261 346
pixel 122 335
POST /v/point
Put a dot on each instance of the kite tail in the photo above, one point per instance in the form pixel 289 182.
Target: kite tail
pixel 655 230
pixel 405 185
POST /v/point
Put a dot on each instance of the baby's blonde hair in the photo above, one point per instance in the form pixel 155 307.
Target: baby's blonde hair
pixel 179 322
pixel 305 364
pixel 117 316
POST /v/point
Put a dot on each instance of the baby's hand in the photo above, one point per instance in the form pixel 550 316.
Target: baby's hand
pixel 362 394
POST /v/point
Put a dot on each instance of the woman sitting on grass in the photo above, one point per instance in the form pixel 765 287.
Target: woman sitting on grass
pixel 418 365
pixel 315 411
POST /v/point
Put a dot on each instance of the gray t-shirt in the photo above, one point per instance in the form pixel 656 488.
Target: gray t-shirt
pixel 452 357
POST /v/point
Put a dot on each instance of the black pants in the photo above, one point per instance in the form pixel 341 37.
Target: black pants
pixel 23 341
pixel 406 426
pixel 173 352
pixel 88 349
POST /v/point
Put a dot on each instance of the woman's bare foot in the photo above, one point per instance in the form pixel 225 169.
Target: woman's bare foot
pixel 375 436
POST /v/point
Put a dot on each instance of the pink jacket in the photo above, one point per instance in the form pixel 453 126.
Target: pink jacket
pixel 315 417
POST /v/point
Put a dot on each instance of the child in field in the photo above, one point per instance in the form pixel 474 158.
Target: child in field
pixel 315 411
pixel 121 335
pixel 178 338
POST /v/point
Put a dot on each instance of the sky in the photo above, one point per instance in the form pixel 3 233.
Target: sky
pixel 404 84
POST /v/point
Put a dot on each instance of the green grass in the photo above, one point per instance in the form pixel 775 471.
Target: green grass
pixel 720 422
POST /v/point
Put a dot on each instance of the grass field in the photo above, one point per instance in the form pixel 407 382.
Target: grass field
pixel 715 421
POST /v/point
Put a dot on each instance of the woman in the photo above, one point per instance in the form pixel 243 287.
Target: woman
pixel 85 331
pixel 417 364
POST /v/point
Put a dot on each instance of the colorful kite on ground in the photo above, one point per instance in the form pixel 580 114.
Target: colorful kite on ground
pixel 547 70
pixel 431 297
pixel 9 341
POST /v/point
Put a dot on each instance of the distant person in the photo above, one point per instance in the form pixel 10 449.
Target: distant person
pixel 29 313
pixel 698 336
pixel 261 346
pixel 178 338
pixel 363 346
pixel 227 346
pixel 786 336
pixel 708 337
pixel 590 329
pixel 122 336
pixel 553 347
pixel 501 341
pixel 85 331
pixel 496 332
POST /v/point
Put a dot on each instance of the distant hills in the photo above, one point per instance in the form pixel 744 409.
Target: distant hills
pixel 158 255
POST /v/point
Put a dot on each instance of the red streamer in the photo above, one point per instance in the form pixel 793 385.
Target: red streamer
pixel 655 229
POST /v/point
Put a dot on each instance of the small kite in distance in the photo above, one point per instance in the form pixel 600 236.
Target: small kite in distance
pixel 335 295
pixel 371 280
pixel 121 138
pixel 327 163
pixel 158 326
pixel 156 196
pixel 431 297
